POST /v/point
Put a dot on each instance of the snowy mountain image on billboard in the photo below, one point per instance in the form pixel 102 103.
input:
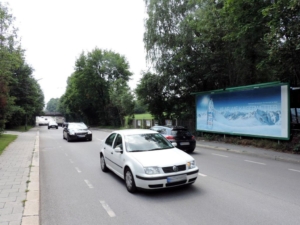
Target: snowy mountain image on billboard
pixel 252 112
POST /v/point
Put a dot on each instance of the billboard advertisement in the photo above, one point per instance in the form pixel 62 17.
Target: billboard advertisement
pixel 256 111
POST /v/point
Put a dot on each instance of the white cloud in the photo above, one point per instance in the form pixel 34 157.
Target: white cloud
pixel 55 32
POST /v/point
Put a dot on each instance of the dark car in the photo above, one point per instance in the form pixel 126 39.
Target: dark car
pixel 178 134
pixel 52 124
pixel 77 131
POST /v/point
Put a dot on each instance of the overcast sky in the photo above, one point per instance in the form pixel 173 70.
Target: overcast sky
pixel 55 32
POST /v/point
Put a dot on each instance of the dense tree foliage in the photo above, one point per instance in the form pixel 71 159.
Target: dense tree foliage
pixel 52 105
pixel 201 45
pixel 21 98
pixel 97 91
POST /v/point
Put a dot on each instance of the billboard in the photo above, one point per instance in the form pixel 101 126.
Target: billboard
pixel 261 110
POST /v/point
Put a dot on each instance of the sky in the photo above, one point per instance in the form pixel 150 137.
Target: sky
pixel 55 32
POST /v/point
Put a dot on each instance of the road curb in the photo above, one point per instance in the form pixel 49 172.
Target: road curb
pixel 32 204
pixel 262 155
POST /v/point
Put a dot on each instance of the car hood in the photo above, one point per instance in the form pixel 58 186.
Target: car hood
pixel 162 158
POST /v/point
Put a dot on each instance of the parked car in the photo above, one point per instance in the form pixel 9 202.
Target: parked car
pixel 52 124
pixel 64 124
pixel 178 134
pixel 146 160
pixel 77 131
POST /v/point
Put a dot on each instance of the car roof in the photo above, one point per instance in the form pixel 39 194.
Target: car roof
pixel 171 127
pixel 135 131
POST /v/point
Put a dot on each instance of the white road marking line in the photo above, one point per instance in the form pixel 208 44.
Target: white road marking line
pixel 71 161
pixel 295 170
pixel 88 184
pixel 108 209
pixel 220 155
pixel 202 175
pixel 78 170
pixel 255 162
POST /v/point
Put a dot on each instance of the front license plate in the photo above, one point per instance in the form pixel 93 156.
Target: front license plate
pixel 176 178
pixel 82 136
pixel 184 143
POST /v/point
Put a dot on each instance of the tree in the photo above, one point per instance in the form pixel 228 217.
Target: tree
pixel 87 96
pixel 10 57
pixel 52 105
pixel 122 99
pixel 283 39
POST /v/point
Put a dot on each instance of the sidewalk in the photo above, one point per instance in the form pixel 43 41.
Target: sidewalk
pixel 250 150
pixel 19 180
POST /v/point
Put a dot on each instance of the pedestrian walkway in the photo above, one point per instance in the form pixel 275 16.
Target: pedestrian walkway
pixel 19 180
pixel 250 150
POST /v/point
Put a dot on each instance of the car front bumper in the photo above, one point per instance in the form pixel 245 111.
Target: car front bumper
pixel 80 137
pixel 166 181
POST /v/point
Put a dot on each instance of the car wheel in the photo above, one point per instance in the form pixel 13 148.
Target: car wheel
pixel 48 128
pixel 103 164
pixel 56 127
pixel 190 150
pixel 129 181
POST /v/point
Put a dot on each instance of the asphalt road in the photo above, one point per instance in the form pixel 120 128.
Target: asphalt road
pixel 231 189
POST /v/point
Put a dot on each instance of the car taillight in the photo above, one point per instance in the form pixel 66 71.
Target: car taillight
pixel 170 138
pixel 193 137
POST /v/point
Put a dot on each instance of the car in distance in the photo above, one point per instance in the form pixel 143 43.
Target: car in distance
pixel 77 131
pixel 52 124
pixel 146 160
pixel 179 135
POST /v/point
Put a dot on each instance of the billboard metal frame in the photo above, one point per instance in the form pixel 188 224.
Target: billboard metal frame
pixel 248 88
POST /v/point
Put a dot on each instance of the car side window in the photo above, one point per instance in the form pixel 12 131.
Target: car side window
pixel 110 139
pixel 118 142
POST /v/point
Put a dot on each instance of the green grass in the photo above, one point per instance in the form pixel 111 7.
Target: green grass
pixel 5 140
pixel 145 116
pixel 20 128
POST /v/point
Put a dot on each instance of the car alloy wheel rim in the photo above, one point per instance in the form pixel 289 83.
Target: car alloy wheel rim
pixel 128 179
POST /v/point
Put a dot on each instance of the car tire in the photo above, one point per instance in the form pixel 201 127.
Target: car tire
pixel 190 150
pixel 56 127
pixel 129 181
pixel 68 139
pixel 48 128
pixel 103 164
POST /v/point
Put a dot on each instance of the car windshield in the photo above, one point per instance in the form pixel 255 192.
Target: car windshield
pixel 77 126
pixel 146 142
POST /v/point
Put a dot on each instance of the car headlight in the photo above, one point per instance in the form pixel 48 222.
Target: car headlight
pixel 191 164
pixel 72 132
pixel 151 170
pixel 89 132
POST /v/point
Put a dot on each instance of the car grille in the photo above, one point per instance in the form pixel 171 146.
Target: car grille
pixel 170 169
pixel 81 133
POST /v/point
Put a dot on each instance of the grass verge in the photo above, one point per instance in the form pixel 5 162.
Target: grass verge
pixel 20 128
pixel 5 140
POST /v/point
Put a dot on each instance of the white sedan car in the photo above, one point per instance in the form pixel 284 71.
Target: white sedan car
pixel 146 160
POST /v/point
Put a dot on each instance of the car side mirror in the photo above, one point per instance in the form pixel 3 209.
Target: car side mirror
pixel 174 144
pixel 118 149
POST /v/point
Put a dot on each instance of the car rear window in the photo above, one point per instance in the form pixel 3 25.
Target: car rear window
pixel 181 132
